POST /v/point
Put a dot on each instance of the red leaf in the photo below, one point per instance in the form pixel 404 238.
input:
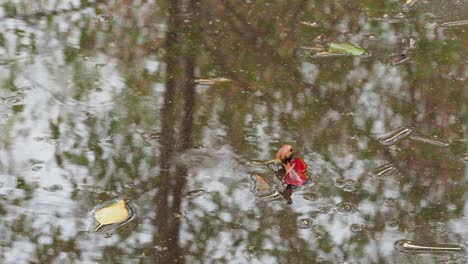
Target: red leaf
pixel 295 172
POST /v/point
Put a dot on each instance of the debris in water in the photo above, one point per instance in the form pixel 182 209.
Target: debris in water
pixel 397 59
pixel 395 135
pixel 345 48
pixel 212 81
pixel 414 247
pixel 454 23
pixel 430 141
pixel 382 172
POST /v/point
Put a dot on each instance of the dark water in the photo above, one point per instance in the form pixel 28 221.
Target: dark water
pixel 167 103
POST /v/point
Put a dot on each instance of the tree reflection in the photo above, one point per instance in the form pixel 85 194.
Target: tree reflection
pixel 161 127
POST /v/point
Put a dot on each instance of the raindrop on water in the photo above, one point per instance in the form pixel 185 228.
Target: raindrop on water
pixel 305 223
pixel 196 193
pixel 312 196
pixel 14 100
pixel 391 224
pixel 251 138
pixel 328 209
pixel 104 18
pixel 356 228
pixel 436 227
pixel 53 188
pixel 390 202
pixel 346 208
pixel 350 188
pixel 37 167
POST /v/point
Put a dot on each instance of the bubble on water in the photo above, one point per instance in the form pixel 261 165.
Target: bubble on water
pixel 346 208
pixel 395 136
pixel 275 228
pixel 88 58
pixel 37 167
pixel 251 138
pixel 312 196
pixel 305 223
pixel 382 172
pixel 355 228
pixel 103 18
pixel 14 100
pixel 196 193
pixel 53 188
pixel 99 65
pixel 391 202
pixel 328 209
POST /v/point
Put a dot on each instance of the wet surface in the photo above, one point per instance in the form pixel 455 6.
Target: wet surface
pixel 180 107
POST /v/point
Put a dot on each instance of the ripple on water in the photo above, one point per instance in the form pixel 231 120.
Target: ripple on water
pixel 395 136
pixel 54 188
pixel 306 222
pixel 196 193
pixel 312 196
pixel 37 167
pixel 14 100
pixel 392 224
pixel 346 208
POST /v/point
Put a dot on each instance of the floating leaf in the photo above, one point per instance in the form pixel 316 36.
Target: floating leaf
pixel 115 213
pixel 295 172
pixel 345 48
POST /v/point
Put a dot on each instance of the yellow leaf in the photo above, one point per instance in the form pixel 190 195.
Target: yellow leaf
pixel 112 214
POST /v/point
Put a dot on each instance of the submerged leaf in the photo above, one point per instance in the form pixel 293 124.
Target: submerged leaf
pixel 112 214
pixel 260 184
pixel 345 48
